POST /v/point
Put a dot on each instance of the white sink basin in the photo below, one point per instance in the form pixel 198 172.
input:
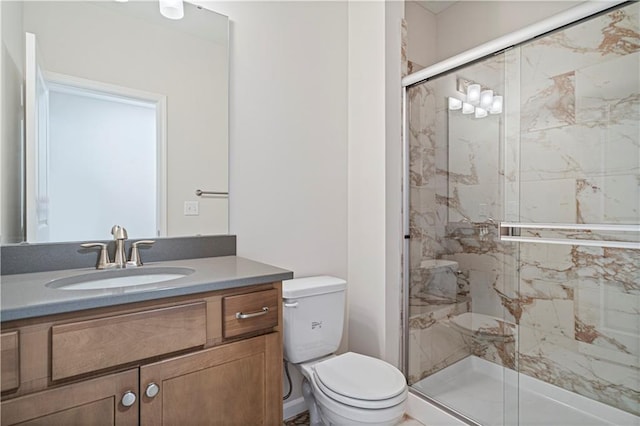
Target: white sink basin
pixel 119 278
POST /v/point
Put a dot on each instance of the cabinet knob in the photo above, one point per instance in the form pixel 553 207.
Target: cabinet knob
pixel 128 399
pixel 152 390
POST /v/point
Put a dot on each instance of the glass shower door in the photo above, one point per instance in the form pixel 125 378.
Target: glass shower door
pixel 524 252
pixel 462 334
pixel 573 144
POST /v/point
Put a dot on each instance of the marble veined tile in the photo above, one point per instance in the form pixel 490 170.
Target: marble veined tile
pixel 423 199
pixel 607 317
pixel 488 73
pixel 484 299
pixel 581 151
pixel 543 289
pixel 421 135
pixel 425 357
pixel 559 360
pixel 552 200
pixel 553 316
pixel 477 203
pixel 617 267
pixel 473 149
pixel 609 91
pixel 546 262
pixel 548 103
pixel 610 35
pixel 609 199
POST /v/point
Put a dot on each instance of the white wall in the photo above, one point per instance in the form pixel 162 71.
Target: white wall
pixel 467 24
pixel 366 225
pixel 421 35
pixel 288 133
pixel 375 148
pixel 394 15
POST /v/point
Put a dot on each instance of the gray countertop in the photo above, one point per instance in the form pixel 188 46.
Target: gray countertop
pixel 26 295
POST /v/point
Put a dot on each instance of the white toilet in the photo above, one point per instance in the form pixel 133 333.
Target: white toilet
pixel 347 389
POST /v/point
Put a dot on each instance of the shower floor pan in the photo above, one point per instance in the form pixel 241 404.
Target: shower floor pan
pixel 491 395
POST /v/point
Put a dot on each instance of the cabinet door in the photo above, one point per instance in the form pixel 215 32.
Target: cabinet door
pixel 91 402
pixel 235 384
pixel 10 360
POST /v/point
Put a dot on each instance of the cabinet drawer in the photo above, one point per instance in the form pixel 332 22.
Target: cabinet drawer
pixel 246 313
pixel 10 359
pixel 90 345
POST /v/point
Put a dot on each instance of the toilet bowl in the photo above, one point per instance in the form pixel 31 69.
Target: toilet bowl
pixel 346 389
pixel 354 389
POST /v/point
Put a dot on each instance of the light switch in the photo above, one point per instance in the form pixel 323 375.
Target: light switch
pixel 191 208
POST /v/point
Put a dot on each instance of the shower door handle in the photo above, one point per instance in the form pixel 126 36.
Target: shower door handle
pixel 511 231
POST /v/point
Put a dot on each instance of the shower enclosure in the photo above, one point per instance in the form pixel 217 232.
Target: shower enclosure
pixel 522 273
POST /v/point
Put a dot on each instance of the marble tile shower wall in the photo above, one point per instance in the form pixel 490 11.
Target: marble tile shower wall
pixel 566 149
pixel 427 221
pixel 579 162
pixel 455 171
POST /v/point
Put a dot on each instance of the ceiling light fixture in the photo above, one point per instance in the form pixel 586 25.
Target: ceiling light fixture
pixel 467 108
pixel 454 104
pixel 473 94
pixel 481 113
pixel 486 99
pixel 496 105
pixel 480 101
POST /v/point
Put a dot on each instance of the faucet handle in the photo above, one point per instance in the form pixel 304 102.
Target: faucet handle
pixel 103 258
pixel 119 233
pixel 134 257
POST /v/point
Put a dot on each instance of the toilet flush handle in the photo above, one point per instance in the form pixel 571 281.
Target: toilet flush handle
pixel 291 304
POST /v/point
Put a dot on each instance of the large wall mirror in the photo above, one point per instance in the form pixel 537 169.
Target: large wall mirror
pixel 112 114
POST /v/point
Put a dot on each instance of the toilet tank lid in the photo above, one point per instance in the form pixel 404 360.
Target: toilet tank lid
pixel 311 286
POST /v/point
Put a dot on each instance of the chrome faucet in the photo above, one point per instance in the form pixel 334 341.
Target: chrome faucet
pixel 120 236
pixel 119 260
pixel 134 256
pixel 103 258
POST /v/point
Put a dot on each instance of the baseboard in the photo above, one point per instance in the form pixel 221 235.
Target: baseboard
pixel 293 408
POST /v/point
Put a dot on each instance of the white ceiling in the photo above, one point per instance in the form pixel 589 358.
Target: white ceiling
pixel 435 6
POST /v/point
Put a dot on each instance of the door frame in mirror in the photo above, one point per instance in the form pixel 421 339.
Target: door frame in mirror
pixel 70 83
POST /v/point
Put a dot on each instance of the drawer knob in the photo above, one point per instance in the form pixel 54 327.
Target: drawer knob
pixel 152 390
pixel 263 311
pixel 128 399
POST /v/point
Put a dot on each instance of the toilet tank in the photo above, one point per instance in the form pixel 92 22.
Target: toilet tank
pixel 313 314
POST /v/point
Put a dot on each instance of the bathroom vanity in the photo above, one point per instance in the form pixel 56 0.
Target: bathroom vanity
pixel 205 348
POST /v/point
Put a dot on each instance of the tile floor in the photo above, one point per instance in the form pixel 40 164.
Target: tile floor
pixel 303 420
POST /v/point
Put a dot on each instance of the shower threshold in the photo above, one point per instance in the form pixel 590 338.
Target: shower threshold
pixel 492 396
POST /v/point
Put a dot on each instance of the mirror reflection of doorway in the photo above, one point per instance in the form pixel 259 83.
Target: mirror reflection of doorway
pixel 91 149
pixel 114 136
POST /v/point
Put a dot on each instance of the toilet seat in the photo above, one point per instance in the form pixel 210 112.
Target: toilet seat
pixel 360 381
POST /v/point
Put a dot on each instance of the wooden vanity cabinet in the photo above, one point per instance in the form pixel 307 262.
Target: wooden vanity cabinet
pixel 91 402
pixel 201 375
pixel 224 385
pixel 10 358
